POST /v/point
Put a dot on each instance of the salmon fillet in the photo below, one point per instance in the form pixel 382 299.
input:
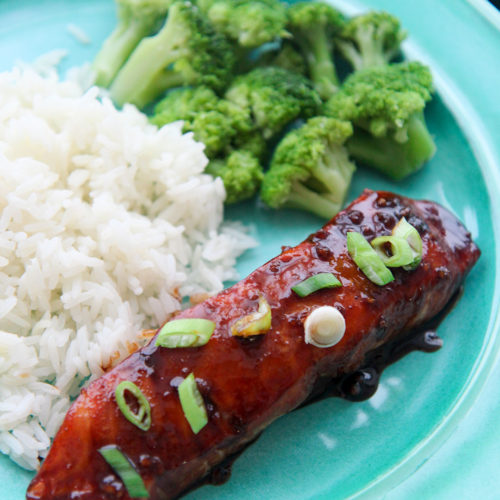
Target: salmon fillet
pixel 248 383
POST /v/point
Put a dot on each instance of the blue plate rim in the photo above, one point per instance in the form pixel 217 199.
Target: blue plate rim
pixel 484 151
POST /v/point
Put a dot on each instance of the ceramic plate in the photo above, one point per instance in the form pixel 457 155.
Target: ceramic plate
pixel 431 430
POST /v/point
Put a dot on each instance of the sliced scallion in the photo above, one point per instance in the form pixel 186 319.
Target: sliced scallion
pixel 324 327
pixel 140 418
pixel 255 323
pixel 185 332
pixel 399 252
pixel 174 340
pixel 316 282
pixel 368 260
pixel 403 229
pixel 125 469
pixel 192 404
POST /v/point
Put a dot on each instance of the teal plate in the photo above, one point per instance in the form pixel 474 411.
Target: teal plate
pixel 431 430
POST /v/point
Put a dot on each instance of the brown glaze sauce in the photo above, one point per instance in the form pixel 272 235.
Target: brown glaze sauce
pixel 361 384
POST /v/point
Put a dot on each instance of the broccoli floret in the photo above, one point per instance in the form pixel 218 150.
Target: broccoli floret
pixel 136 20
pixel 214 121
pixel 250 23
pixel 371 39
pixel 240 119
pixel 274 97
pixel 314 26
pixel 184 103
pixel 186 51
pixel 252 142
pixel 310 168
pixel 199 109
pixel 286 56
pixel 385 105
pixel 241 174
pixel 214 130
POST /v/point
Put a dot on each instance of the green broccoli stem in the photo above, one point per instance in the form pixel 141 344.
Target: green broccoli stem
pixel 369 51
pixel 395 159
pixel 332 176
pixel 302 198
pixel 164 80
pixel 135 83
pixel 116 49
pixel 351 53
pixel 319 57
pixel 370 48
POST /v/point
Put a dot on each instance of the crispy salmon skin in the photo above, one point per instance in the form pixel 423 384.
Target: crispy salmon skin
pixel 247 383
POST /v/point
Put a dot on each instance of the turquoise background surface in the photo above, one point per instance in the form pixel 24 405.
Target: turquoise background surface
pixel 431 431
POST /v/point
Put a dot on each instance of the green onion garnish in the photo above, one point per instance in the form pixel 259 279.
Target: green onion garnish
pixel 125 469
pixel 141 418
pixel 403 229
pixel 255 323
pixel 367 259
pixel 186 332
pixel 316 282
pixel 399 252
pixel 192 404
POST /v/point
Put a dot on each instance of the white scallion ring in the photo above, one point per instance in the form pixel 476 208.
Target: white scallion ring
pixel 324 327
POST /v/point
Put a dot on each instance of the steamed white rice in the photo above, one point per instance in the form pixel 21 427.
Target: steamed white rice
pixel 105 222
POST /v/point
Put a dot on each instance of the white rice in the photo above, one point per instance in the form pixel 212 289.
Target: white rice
pixel 105 222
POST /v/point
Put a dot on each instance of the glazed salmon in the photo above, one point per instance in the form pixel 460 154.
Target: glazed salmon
pixel 246 383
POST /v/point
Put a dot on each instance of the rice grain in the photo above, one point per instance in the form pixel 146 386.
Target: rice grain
pixel 105 223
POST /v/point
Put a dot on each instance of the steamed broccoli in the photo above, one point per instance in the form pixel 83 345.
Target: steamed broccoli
pixel 371 39
pixel 136 20
pixel 201 110
pixel 241 174
pixel 310 168
pixel 313 26
pixel 285 56
pixel 385 105
pixel 184 103
pixel 252 142
pixel 186 51
pixel 213 129
pixel 214 121
pixel 274 97
pixel 250 23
